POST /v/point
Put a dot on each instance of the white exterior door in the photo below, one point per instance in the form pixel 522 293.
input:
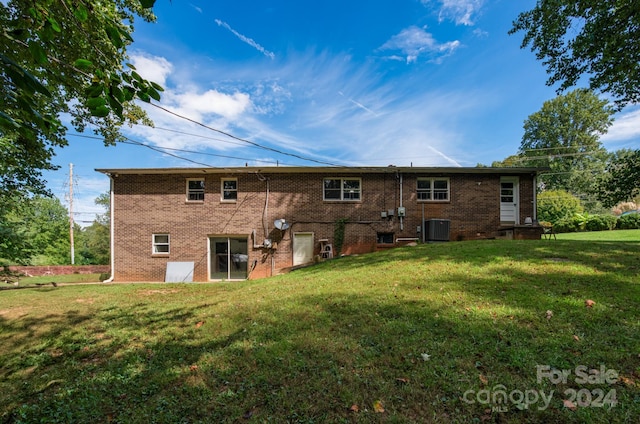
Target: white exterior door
pixel 509 200
pixel 302 248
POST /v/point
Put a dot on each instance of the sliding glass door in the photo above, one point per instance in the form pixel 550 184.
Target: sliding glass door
pixel 228 257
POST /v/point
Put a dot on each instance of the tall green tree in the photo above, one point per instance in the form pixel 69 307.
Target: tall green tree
pixel 587 38
pixel 64 57
pixel 621 181
pixel 95 239
pixel 564 135
pixel 15 247
pixel 37 232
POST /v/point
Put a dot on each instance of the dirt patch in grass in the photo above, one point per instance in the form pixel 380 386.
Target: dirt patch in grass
pixel 14 313
pixel 163 291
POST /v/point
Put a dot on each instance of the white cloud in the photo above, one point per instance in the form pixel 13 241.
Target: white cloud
pixel 625 127
pixel 315 105
pixel 198 105
pixel 479 33
pixel 246 39
pixel 153 68
pixel 415 42
pixel 460 11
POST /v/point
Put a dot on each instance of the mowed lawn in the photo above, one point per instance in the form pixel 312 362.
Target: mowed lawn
pixel 486 331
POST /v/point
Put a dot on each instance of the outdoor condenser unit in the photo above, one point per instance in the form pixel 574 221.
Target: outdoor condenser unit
pixel 437 229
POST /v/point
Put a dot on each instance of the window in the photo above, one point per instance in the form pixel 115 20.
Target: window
pixel 385 238
pixel 195 189
pixel 229 189
pixel 342 189
pixel 160 244
pixel 433 189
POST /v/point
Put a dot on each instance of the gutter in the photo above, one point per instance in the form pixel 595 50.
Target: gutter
pixel 111 231
pixel 535 197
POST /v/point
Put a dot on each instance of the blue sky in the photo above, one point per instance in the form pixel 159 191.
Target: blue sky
pixel 362 83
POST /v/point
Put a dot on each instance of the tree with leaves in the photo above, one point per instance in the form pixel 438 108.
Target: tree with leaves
pixel 94 244
pixel 36 231
pixel 564 135
pixel 621 181
pixel 580 38
pixel 64 57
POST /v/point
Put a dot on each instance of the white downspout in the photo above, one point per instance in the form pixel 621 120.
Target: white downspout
pixel 401 221
pixel 535 197
pixel 111 231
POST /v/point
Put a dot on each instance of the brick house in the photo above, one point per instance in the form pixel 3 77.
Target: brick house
pixel 249 222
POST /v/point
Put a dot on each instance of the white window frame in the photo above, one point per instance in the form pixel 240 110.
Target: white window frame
pixel 431 192
pixel 155 244
pixel 343 193
pixel 223 190
pixel 198 192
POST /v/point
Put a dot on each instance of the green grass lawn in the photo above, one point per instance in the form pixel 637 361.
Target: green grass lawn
pixel 434 333
pixel 616 235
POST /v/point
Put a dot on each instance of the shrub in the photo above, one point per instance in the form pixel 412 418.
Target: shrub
pixel 557 205
pixel 629 222
pixel 568 225
pixel 600 222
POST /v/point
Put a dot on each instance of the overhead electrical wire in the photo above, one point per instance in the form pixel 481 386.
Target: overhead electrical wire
pixel 162 149
pixel 271 149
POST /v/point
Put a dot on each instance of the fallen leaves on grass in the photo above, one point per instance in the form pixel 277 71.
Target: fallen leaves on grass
pixel 589 303
pixel 378 407
pixel 199 324
pixel 569 404
pixel 483 379
pixel 549 314
pixel 425 356
pixel 629 381
pixel 354 408
pixel 576 338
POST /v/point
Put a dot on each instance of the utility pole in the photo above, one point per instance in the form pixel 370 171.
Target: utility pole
pixel 71 213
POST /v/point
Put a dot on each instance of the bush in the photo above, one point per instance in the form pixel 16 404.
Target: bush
pixel 568 225
pixel 629 222
pixel 557 205
pixel 600 222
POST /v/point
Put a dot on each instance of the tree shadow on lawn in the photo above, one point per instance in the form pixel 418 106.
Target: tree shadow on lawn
pixel 307 362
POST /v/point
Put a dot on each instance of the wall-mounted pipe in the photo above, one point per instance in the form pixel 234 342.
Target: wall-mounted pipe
pixel 111 231
pixel 265 221
pixel 401 221
pixel 255 245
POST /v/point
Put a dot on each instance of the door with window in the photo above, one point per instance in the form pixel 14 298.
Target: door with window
pixel 509 200
pixel 228 258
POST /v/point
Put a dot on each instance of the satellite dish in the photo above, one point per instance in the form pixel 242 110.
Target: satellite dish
pixel 281 224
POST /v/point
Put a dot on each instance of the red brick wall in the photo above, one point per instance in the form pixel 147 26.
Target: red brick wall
pixel 155 203
pixel 37 271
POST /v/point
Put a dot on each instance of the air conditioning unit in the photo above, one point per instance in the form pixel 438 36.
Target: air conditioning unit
pixel 437 229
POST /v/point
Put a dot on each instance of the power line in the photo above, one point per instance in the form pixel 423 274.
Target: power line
pixel 163 150
pixel 242 139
